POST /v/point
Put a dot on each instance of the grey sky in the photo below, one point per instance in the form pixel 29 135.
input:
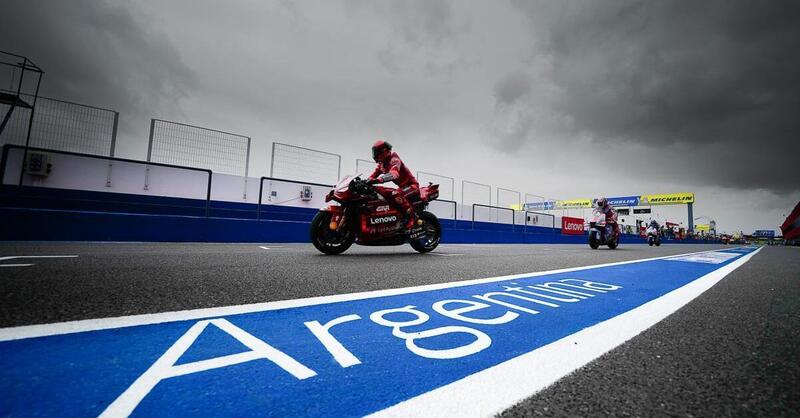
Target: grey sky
pixel 566 99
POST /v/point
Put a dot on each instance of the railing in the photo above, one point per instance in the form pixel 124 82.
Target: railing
pixel 261 189
pixel 474 205
pixel 454 203
pixel 8 147
pixel 63 125
pixel 513 222
pixel 552 217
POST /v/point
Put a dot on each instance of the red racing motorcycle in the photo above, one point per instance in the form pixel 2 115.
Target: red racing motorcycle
pixel 366 218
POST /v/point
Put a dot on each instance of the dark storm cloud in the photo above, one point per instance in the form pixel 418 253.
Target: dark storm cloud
pixel 422 30
pixel 511 88
pixel 97 53
pixel 721 76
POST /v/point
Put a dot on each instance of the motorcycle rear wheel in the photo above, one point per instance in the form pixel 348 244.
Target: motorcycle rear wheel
pixel 326 240
pixel 613 243
pixel 433 233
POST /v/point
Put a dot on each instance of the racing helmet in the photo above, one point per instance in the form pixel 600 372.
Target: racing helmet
pixel 380 150
pixel 601 202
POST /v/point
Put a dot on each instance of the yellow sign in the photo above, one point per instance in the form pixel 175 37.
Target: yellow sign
pixel 667 199
pixel 702 227
pixel 574 204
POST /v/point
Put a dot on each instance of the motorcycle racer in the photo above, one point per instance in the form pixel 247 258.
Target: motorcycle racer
pixel 602 206
pixel 391 168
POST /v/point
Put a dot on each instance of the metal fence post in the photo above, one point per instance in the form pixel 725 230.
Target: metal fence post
pixel 114 134
pixel 150 140
pixel 246 169
pixel 272 161
pixel 149 154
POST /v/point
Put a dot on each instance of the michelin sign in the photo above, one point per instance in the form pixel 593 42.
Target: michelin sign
pixel 667 199
pixel 630 201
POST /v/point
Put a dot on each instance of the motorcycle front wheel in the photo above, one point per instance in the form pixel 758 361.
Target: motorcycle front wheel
pixel 594 242
pixel 327 240
pixel 432 233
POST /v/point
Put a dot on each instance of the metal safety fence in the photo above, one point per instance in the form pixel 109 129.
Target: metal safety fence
pixel 444 209
pixel 446 184
pixel 14 155
pixel 195 146
pixel 364 167
pixel 472 192
pixel 492 214
pixel 304 164
pixel 508 198
pixel 283 192
pixel 62 125
pixel 535 219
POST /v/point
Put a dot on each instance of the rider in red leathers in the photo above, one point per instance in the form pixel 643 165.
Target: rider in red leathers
pixel 603 207
pixel 391 168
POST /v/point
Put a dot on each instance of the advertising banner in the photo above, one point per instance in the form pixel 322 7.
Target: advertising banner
pixel 624 201
pixel 764 233
pixel 702 228
pixel 571 226
pixel 574 204
pixel 667 199
pixel 548 205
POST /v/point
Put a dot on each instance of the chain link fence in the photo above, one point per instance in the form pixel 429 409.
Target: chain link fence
pixel 291 162
pixel 193 146
pixel 472 192
pixel 446 184
pixel 62 126
pixel 364 167
pixel 508 199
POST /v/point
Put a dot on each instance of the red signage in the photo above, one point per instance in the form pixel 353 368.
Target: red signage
pixel 571 226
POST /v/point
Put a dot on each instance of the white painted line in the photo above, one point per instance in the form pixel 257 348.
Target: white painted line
pixel 15 265
pixel 58 328
pixel 495 389
pixel 269 248
pixel 36 256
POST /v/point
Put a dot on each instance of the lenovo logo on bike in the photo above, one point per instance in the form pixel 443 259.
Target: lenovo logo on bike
pixel 383 220
pixel 571 226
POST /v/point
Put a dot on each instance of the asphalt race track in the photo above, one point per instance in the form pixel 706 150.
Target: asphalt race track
pixel 732 350
pixel 106 280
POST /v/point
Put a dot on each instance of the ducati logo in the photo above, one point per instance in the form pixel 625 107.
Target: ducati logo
pixel 382 220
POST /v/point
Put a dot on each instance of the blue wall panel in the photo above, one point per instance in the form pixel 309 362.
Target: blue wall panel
pixel 20 224
pixel 41 214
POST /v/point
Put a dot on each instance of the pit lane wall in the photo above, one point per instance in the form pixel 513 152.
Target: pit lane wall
pixel 91 198
pixel 27 218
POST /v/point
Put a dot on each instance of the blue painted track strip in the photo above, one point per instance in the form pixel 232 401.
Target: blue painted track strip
pixel 346 358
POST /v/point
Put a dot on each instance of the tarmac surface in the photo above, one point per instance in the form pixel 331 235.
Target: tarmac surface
pixel 733 351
